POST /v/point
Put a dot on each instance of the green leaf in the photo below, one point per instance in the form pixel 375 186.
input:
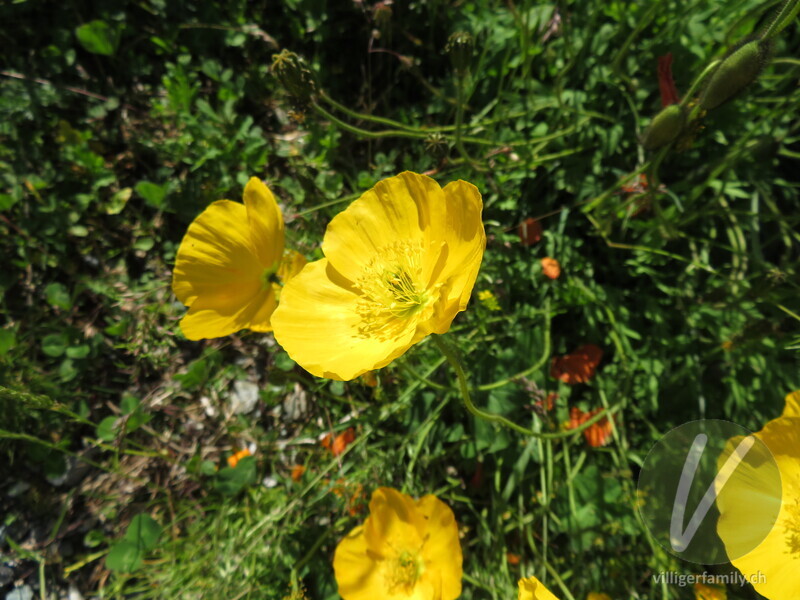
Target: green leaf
pixel 54 344
pixel 128 404
pixel 57 295
pixel 118 201
pixel 124 557
pixel 231 480
pixel 7 341
pixel 67 370
pixel 81 351
pixel 106 429
pixel 98 37
pixel 152 193
pixel 143 531
pixel 144 244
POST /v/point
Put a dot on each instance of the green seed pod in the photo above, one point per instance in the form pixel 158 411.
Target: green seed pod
pixel 738 70
pixel 294 75
pixel 460 46
pixel 665 127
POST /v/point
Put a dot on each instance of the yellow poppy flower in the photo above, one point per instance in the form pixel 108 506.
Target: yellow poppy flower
pixel 228 263
pixel 531 588
pixel 400 263
pixel 773 567
pixel 598 596
pixel 406 548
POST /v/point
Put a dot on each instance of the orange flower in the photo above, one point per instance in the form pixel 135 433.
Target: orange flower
pixel 548 402
pixel 529 231
pixel 513 559
pixel 551 268
pixel 578 367
pixel 234 458
pixel 297 472
pixel 596 435
pixel 340 442
pixel 356 499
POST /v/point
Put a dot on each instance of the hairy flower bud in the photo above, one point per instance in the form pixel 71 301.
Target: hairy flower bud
pixel 665 127
pixel 294 75
pixel 738 70
pixel 460 46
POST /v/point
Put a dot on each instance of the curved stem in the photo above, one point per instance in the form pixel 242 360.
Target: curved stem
pixel 451 357
pixel 537 365
pixel 698 80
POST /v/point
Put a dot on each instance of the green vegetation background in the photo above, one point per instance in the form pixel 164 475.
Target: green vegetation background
pixel 120 121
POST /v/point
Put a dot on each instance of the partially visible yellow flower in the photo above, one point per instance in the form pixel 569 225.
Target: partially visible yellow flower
pixel 531 588
pixel 773 567
pixel 489 300
pixel 229 264
pixel 709 592
pixel 406 548
pixel 400 263
pixel 597 596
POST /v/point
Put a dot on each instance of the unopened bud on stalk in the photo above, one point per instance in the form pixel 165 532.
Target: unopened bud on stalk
pixel 294 75
pixel 436 145
pixel 460 46
pixel 665 127
pixel 738 70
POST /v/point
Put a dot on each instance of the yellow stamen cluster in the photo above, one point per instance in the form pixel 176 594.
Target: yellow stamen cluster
pixel 403 571
pixel 392 289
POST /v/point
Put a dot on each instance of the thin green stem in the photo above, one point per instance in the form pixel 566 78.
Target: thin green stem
pixel 463 385
pixel 696 83
pixel 535 366
pixel 788 12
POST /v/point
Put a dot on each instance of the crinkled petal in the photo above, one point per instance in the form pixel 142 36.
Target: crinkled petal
pixel 356 569
pixel 773 567
pixel 397 208
pixel 442 550
pixel 318 324
pixel 216 259
pixel 531 588
pixel 209 320
pixel 266 222
pixel 393 516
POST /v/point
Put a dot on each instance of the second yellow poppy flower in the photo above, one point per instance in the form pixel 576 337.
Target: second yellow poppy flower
pixel 229 263
pixel 400 263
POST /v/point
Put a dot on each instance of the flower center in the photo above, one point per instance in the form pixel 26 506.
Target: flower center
pixel 270 276
pixel 392 290
pixel 405 569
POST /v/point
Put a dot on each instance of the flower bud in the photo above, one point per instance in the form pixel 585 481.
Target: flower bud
pixel 460 46
pixel 436 145
pixel 738 70
pixel 665 127
pixel 294 75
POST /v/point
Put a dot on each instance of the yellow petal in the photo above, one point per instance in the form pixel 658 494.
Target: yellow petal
pixel 393 516
pixel 204 320
pixel 216 258
pixel 397 208
pixel 355 570
pixel 266 222
pixel 773 567
pixel 792 408
pixel 318 325
pixel 461 228
pixel 531 588
pixel 442 550
pixel 291 264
